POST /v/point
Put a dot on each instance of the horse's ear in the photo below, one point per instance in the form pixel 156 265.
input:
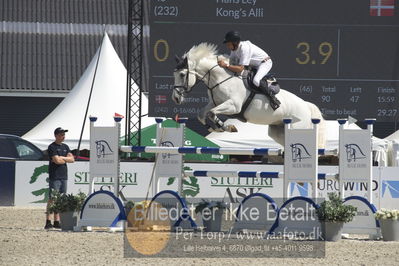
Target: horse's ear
pixel 177 58
pixel 182 63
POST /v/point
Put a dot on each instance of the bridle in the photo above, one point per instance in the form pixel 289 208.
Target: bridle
pixel 187 89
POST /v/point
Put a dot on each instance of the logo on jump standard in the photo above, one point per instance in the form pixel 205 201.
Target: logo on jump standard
pixel 299 152
pixel 103 148
pixel 167 144
pixel 353 152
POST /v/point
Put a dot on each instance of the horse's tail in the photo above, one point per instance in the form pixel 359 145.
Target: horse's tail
pixel 316 113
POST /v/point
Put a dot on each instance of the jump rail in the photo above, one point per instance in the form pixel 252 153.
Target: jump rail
pixel 214 150
pixel 248 174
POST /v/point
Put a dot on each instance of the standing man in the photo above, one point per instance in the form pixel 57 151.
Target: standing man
pixel 59 155
pixel 245 54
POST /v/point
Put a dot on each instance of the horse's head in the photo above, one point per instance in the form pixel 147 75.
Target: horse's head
pixel 190 69
pixel 185 79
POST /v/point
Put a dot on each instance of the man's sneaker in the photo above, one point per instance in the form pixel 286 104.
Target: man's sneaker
pixel 57 224
pixel 48 225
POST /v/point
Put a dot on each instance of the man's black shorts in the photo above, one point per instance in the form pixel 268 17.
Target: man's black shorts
pixel 58 185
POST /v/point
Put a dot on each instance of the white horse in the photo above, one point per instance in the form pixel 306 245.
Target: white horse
pixel 227 94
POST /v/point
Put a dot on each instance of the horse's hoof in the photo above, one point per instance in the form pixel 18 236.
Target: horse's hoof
pixel 211 129
pixel 232 128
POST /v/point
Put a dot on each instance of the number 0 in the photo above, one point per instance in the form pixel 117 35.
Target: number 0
pixel 165 45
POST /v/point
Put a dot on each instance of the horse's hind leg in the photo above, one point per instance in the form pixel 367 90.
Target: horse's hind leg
pixel 276 132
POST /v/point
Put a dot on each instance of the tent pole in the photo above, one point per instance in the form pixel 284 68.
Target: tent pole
pixel 91 91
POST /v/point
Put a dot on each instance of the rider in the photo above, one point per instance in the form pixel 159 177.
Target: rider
pixel 245 54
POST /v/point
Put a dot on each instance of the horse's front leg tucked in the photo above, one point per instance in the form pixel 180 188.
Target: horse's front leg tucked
pixel 226 108
pixel 204 111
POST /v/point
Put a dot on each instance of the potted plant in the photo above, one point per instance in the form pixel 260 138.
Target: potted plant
pixel 389 222
pixel 68 206
pixel 129 205
pixel 332 214
pixel 211 212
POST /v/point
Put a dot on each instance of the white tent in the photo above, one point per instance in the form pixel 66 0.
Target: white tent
pixel 252 135
pixel 393 149
pixel 108 97
pixel 394 136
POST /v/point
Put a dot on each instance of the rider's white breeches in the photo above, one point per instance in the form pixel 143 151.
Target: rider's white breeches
pixel 263 69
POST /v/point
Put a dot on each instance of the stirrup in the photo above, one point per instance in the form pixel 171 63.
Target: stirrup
pixel 271 81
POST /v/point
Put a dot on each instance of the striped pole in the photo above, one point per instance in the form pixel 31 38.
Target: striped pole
pixel 202 150
pixel 247 174
pixel 328 152
pixel 214 150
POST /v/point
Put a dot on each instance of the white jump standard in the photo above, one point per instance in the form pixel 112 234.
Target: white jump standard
pixel 103 208
pixel 300 161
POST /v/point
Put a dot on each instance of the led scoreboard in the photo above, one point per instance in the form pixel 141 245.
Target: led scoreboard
pixel 341 55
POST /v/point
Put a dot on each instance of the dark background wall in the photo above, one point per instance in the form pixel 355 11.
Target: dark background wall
pixel 20 114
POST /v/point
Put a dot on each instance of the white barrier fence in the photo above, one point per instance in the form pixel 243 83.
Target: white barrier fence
pixel 31 187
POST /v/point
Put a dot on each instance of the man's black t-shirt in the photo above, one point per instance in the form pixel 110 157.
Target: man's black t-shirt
pixel 58 171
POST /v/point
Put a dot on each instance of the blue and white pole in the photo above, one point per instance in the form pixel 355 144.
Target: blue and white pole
pixel 117 120
pixel 93 120
pixel 202 150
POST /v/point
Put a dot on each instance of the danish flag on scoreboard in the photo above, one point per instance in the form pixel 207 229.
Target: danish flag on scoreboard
pixel 160 99
pixel 382 7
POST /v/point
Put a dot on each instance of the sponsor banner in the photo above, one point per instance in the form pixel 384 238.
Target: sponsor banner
pixel 31 183
pixel 102 208
pixel 351 188
pixel 389 187
pixel 364 221
pixel 232 189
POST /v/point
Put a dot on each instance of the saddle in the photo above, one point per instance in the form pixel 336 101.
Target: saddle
pixel 268 86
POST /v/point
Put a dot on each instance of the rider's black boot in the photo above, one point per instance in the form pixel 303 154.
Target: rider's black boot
pixel 269 92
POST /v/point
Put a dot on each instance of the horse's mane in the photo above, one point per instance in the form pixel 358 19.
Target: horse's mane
pixel 202 50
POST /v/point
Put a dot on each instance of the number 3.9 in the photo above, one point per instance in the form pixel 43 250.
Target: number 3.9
pixel 325 49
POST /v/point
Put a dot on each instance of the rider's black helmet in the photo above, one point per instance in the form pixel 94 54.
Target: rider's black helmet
pixel 232 36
